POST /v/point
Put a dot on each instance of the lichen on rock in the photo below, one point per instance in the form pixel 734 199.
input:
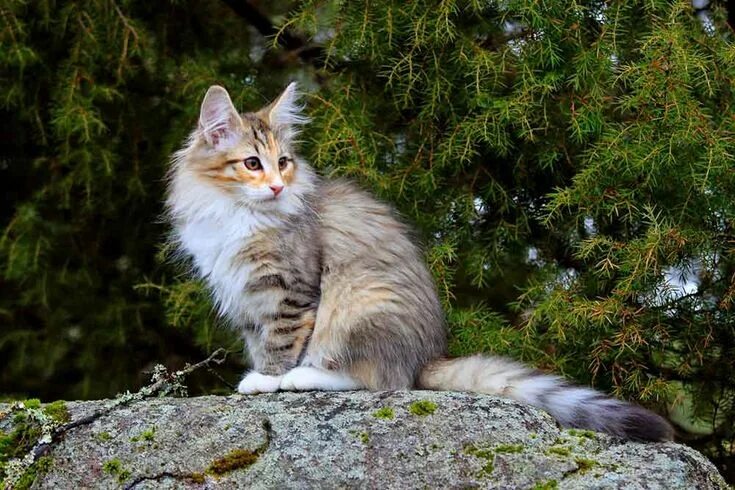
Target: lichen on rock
pixel 315 440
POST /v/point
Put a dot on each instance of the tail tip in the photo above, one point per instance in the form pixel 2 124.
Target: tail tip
pixel 644 425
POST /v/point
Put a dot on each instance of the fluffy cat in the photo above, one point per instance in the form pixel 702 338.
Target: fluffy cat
pixel 326 285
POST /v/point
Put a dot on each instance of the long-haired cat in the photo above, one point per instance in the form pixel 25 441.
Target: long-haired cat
pixel 326 285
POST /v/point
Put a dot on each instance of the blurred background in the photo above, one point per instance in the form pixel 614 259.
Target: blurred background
pixel 569 166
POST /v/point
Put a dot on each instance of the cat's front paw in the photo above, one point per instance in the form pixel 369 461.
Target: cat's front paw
pixel 254 382
pixel 299 379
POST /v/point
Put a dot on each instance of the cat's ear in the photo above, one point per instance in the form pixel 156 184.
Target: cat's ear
pixel 219 121
pixel 285 114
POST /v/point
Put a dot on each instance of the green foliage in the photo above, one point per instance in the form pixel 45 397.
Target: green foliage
pixel 567 162
pixel 564 162
pixel 96 96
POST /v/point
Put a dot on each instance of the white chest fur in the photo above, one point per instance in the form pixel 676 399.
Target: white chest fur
pixel 214 245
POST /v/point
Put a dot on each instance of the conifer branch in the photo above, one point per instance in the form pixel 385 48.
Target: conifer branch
pixel 289 41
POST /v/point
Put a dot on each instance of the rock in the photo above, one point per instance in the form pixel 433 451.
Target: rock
pixel 417 439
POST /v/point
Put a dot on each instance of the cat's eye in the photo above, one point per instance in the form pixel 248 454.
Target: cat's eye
pixel 283 163
pixel 253 163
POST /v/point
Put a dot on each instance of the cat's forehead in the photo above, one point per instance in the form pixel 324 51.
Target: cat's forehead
pixel 252 121
pixel 258 134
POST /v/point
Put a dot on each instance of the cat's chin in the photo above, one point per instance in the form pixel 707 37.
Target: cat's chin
pixel 257 204
pixel 269 204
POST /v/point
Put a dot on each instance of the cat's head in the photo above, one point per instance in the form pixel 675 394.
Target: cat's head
pixel 247 158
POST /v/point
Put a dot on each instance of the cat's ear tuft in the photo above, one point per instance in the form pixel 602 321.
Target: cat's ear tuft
pixel 219 121
pixel 285 114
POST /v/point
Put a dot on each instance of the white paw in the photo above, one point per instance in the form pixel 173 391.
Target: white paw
pixel 306 378
pixel 254 382
pixel 300 379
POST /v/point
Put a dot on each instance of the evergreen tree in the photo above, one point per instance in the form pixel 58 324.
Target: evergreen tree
pixel 567 163
pixel 96 96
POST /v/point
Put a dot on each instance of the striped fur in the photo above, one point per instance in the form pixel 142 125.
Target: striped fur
pixel 326 285
pixel 572 406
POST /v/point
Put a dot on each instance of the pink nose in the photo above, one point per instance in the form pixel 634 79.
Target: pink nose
pixel 276 189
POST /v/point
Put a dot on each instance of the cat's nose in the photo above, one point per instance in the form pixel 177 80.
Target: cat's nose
pixel 276 189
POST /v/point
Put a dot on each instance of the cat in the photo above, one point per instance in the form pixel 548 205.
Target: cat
pixel 326 284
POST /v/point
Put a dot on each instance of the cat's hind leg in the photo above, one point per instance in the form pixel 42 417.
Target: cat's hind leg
pixel 307 378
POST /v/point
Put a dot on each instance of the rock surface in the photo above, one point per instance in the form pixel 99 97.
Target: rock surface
pixel 356 440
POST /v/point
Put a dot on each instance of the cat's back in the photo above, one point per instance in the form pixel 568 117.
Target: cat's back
pixel 365 244
pixel 355 225
pixel 379 310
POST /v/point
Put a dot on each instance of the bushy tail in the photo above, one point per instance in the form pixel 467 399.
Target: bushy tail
pixel 572 406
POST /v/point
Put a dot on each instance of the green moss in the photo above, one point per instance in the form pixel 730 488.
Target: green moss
pixel 43 464
pixel 584 464
pixel 585 434
pixel 57 411
pixel 123 475
pixel 197 477
pixel 114 467
pixel 559 450
pixel 32 403
pixel 23 436
pixel 509 448
pixel 6 445
pixel 25 433
pixel 104 436
pixel 384 413
pixel 364 437
pixel 483 453
pixel 39 468
pixel 478 452
pixel 547 485
pixel 422 407
pixel 487 468
pixel 235 459
pixel 147 435
pixel 488 454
